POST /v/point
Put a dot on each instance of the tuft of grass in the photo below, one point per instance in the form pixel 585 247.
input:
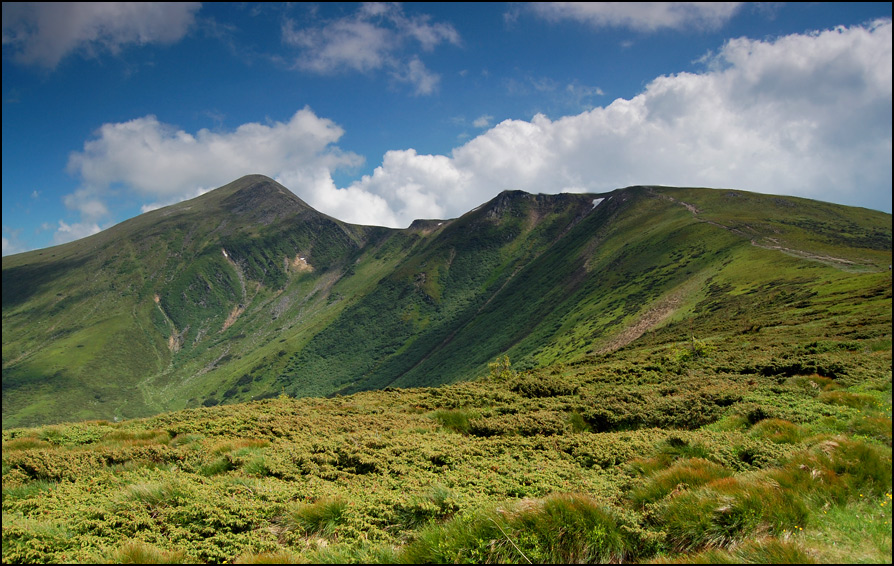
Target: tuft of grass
pixel 847 399
pixel 878 428
pixel 762 551
pixel 365 553
pixel 156 493
pixel 127 438
pixel 277 557
pixel 25 443
pixel 677 447
pixel 320 518
pixel 728 511
pixel 456 420
pixel 779 431
pixel 135 552
pixel 731 423
pixel 682 475
pixel 562 529
pixel 218 466
pixel 773 551
pixel 257 466
pixel 578 423
pixel 26 490
pixel 837 471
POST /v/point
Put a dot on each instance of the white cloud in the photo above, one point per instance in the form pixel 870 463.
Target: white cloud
pixel 158 160
pixel 806 115
pixel 70 232
pixel 641 16
pixel 417 186
pixel 195 192
pixel 352 204
pixel 416 74
pixel 87 203
pixel 377 37
pixel 12 243
pixel 43 33
pixel 161 165
pixel 483 121
pixel 342 45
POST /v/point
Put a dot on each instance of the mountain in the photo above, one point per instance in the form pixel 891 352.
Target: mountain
pixel 246 292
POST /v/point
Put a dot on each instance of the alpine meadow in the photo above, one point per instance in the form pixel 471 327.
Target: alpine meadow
pixel 652 374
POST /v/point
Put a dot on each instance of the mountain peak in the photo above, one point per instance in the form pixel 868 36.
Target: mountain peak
pixel 521 203
pixel 260 199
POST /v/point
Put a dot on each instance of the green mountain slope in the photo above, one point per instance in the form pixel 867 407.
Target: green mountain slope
pixel 246 292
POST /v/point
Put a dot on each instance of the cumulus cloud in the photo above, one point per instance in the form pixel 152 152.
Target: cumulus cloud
pixel 43 33
pixel 161 164
pixel 71 232
pixel 158 160
pixel 377 37
pixel 641 16
pixel 806 115
pixel 483 121
pixel 352 204
pixel 12 243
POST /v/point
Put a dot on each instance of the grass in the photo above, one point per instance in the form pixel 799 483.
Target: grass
pixel 564 529
pixel 141 553
pixel 320 518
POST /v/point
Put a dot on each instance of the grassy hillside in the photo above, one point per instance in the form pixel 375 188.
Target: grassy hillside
pixel 752 425
pixel 247 293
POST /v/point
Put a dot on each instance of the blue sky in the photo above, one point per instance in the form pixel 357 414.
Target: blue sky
pixel 383 113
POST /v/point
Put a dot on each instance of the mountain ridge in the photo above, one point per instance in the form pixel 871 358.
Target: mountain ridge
pixel 247 291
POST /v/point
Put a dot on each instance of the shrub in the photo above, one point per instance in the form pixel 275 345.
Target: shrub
pixel 501 369
pixel 436 504
pixel 535 387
